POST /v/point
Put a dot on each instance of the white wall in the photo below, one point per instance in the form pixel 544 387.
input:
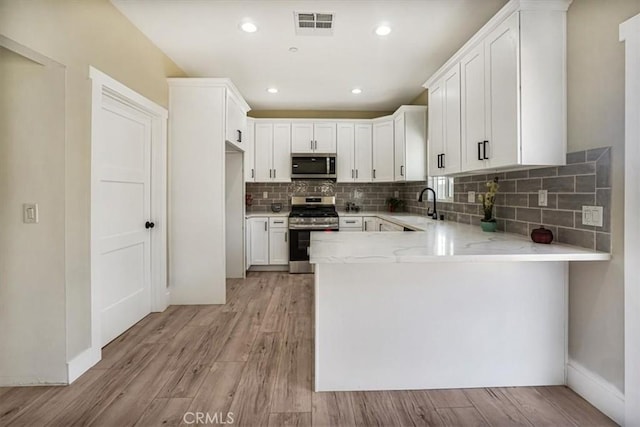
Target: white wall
pixel 596 119
pixel 32 276
pixel 234 214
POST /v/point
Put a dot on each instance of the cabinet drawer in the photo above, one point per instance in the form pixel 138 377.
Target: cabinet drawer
pixel 351 222
pixel 278 222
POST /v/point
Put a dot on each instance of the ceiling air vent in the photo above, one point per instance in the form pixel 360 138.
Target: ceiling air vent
pixel 313 24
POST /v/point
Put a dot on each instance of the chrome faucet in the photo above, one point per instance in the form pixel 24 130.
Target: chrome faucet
pixel 433 214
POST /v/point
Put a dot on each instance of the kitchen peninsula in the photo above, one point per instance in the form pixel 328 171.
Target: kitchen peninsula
pixel 447 306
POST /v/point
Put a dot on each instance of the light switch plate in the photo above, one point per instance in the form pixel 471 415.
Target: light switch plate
pixel 30 213
pixel 471 197
pixel 265 195
pixel 592 215
pixel 542 197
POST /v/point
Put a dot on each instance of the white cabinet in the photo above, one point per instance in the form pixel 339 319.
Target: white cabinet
pixel 383 150
pixel 278 241
pixel 236 121
pixel 317 137
pixel 410 143
pixel 370 223
pixel 351 223
pixel 444 124
pixel 354 157
pixel 272 152
pixel 512 93
pixel 249 153
pixel 268 241
pixel 259 244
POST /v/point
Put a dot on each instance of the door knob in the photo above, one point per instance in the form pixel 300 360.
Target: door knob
pixel 148 225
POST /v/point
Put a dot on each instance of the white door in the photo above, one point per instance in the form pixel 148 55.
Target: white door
pixel 450 161
pixel 399 170
pixel 302 138
pixel 122 204
pixel 345 163
pixel 383 151
pixel 278 246
pixel 436 128
pixel 263 151
pixel 324 137
pixel 473 109
pixel 259 232
pixel 363 152
pixel 502 83
pixel 281 152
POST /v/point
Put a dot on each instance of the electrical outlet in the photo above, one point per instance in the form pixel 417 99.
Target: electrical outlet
pixel 396 194
pixel 471 197
pixel 592 215
pixel 265 195
pixel 542 197
pixel 30 213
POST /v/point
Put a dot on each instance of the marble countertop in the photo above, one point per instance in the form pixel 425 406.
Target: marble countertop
pixel 265 214
pixel 440 241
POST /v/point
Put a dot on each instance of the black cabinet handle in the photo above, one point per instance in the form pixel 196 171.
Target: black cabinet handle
pixel 484 150
pixel 356 173
pixel 274 173
pixel 439 161
pixel 149 225
pixel 285 236
pixel 239 136
pixel 374 174
pixel 480 150
pixel 253 173
pixel 401 170
pixel 442 160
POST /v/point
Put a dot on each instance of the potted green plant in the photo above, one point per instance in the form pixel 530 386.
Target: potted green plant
pixel 488 223
pixel 394 204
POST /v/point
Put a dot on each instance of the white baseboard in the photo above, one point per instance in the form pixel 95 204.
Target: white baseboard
pixel 82 362
pixel 27 382
pixel 596 390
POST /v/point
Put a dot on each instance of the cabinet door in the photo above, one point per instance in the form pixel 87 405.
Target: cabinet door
pixel 383 151
pixel 281 152
pixel 363 156
pixel 324 137
pixel 370 223
pixel 472 74
pixel 236 122
pixel 278 246
pixel 502 83
pixel 259 231
pixel 399 169
pixel 436 128
pixel 248 143
pixel 450 161
pixel 263 143
pixel 389 226
pixel 302 138
pixel 247 244
pixel 345 162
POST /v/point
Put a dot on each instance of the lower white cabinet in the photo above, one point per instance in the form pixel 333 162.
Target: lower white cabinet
pixel 268 241
pixel 370 223
pixel 351 223
pixel 388 226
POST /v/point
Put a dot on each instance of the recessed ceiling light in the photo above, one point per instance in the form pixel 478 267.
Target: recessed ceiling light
pixel 272 90
pixel 356 91
pixel 293 49
pixel 249 27
pixel 383 30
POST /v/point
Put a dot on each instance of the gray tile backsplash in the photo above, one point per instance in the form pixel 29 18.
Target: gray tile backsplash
pixel 585 180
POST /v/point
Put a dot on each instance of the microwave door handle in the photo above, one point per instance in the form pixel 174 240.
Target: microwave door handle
pixel 328 165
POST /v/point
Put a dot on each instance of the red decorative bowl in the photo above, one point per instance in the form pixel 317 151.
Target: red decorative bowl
pixel 542 235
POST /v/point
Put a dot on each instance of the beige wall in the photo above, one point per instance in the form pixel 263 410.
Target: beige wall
pixel 422 99
pixel 78 34
pixel 32 288
pixel 316 114
pixel 596 119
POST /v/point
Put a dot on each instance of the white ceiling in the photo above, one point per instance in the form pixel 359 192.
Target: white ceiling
pixel 204 39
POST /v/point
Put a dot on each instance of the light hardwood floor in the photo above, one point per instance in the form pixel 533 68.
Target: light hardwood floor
pixel 253 357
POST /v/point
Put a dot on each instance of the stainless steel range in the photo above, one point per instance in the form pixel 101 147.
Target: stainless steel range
pixel 308 215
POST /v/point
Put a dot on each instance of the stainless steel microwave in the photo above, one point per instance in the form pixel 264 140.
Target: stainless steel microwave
pixel 313 166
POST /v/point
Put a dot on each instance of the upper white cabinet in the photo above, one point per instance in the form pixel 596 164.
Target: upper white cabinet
pixel 383 164
pixel 354 157
pixel 512 92
pixel 236 123
pixel 317 137
pixel 410 143
pixel 272 152
pixel 444 124
pixel 249 154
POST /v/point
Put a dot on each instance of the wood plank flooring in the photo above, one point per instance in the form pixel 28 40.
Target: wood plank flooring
pixel 252 360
